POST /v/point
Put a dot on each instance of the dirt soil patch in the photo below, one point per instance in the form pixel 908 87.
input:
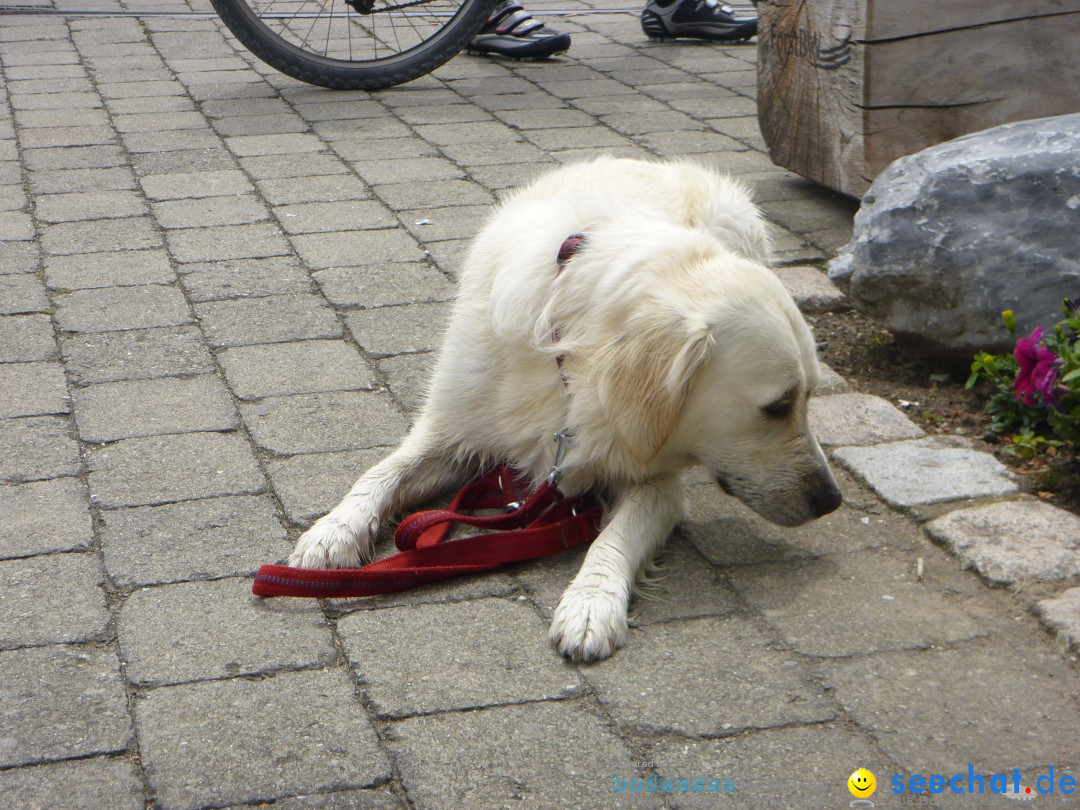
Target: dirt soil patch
pixel 932 394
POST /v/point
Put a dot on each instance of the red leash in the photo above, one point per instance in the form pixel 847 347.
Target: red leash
pixel 545 523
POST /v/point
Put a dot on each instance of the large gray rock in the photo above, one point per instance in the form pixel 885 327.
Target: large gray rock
pixel 949 237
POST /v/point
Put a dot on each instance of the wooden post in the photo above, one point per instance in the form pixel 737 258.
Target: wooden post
pixel 845 87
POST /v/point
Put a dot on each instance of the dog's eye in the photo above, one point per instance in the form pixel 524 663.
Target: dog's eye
pixel 781 409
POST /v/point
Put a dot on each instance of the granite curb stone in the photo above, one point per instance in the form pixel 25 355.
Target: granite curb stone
pixel 927 471
pixel 1013 542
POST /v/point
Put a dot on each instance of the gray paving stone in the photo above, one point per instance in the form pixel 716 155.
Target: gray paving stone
pixel 65 701
pixel 88 205
pixel 74 157
pixel 847 419
pixel 123 410
pixel 926 471
pixel 384 285
pixel 438 224
pixel 326 188
pixel 200 539
pixel 402 196
pixel 817 761
pixel 44 516
pixel 310 485
pixel 19 257
pixel 37 447
pixel 12 197
pixel 136 354
pixel 370 151
pixel 163 119
pixel 354 248
pixel 407 377
pixel 942 710
pixel 555 754
pixel 132 233
pixel 831 383
pixel 184 161
pixel 737 678
pixel 164 469
pixel 272 319
pixel 399 330
pixel 201 630
pixel 304 367
pixel 120 269
pixel 66 136
pixel 293 733
pixel 113 308
pixel 1013 542
pixel 170 140
pixel 873 595
pixel 375 799
pixel 207 212
pixel 811 289
pixel 85 784
pixel 44 181
pixel 16 225
pixel 406 170
pixel 318 423
pixel 271 167
pixel 134 89
pixel 242 278
pixel 50 599
pixel 226 242
pixel 276 144
pixel 260 124
pixel 33 389
pixel 344 215
pixel 186 185
pixel 426 658
pixel 30 119
pixel 1062 614
pixel 21 294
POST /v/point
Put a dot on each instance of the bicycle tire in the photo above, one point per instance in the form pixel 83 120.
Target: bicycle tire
pixel 295 36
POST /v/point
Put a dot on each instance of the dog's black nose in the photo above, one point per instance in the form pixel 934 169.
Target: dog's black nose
pixel 825 499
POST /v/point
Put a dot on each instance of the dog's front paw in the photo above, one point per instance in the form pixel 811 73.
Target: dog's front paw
pixel 330 543
pixel 589 623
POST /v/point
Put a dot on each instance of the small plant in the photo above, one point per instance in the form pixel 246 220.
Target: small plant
pixel 1036 397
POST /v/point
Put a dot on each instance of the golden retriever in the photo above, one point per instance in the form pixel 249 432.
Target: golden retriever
pixel 663 341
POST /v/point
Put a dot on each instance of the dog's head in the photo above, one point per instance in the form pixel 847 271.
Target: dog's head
pixel 718 365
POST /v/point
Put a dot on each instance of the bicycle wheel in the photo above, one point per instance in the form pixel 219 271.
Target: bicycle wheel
pixel 354 44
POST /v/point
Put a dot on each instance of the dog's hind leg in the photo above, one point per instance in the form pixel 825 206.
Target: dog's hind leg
pixel 590 620
pixel 420 469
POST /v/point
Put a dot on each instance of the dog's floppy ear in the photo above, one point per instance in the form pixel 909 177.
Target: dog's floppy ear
pixel 642 377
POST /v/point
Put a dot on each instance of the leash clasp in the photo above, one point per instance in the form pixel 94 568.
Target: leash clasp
pixel 563 440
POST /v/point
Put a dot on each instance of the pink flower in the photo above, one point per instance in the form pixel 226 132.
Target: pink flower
pixel 1038 370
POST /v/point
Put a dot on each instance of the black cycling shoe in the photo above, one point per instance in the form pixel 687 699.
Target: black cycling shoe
pixel 512 33
pixel 696 19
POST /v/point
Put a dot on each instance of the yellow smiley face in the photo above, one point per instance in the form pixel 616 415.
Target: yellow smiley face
pixel 862 783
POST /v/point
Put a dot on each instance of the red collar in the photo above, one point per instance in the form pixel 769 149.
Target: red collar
pixel 570 246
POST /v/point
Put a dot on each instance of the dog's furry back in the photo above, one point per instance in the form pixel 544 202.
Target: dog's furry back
pixel 512 296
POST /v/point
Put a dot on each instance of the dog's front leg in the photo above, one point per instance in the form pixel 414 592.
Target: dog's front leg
pixel 590 620
pixel 345 537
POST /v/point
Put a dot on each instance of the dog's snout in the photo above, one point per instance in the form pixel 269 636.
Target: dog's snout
pixel 825 498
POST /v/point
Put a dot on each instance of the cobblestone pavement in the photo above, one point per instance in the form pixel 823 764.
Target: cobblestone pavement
pixel 220 292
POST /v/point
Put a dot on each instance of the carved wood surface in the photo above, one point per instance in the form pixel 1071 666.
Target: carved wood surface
pixel 847 86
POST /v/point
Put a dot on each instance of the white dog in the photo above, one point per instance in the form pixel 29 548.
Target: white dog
pixel 661 342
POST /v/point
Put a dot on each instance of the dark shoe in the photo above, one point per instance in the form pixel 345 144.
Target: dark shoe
pixel 696 19
pixel 512 33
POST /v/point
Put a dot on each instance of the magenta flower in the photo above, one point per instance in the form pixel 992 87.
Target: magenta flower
pixel 1038 370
